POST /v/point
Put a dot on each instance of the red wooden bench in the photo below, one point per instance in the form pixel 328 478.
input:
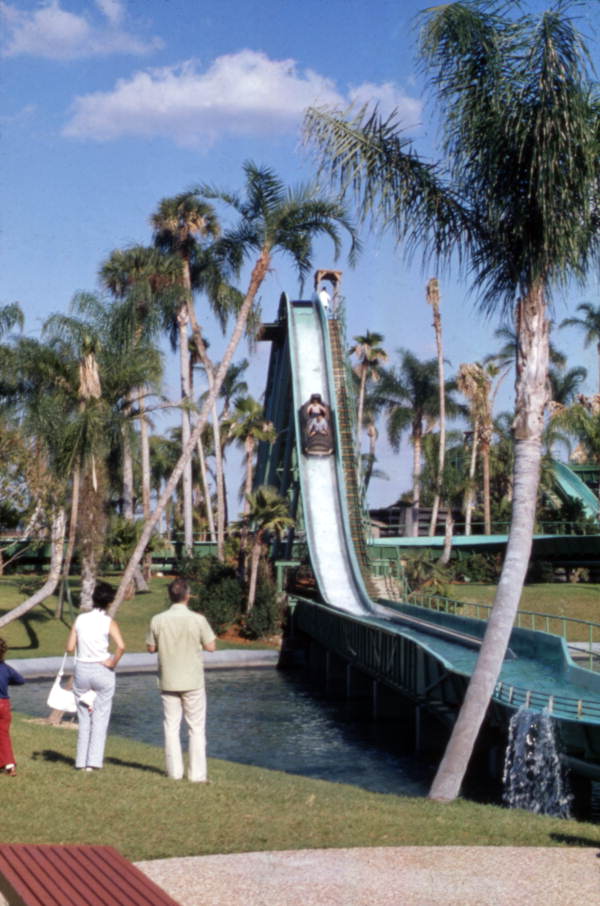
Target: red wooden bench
pixel 48 875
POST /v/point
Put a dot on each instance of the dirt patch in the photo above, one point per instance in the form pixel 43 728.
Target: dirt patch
pixel 232 635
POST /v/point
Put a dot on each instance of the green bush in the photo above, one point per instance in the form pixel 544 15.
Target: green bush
pixel 265 617
pixel 216 590
pixel 220 602
pixel 424 572
pixel 541 571
pixel 477 567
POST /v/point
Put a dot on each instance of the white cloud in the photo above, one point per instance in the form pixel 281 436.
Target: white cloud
pixel 244 93
pixel 388 98
pixel 112 9
pixel 54 33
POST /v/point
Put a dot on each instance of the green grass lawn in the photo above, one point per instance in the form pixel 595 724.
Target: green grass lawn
pixel 563 599
pixel 40 634
pixel 131 805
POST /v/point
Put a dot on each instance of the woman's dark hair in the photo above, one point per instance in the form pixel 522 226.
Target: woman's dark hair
pixel 3 649
pixel 103 596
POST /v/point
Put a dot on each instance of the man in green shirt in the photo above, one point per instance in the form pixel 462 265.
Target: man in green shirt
pixel 179 636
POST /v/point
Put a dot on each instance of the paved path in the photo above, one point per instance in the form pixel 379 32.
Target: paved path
pixel 394 876
pixel 138 663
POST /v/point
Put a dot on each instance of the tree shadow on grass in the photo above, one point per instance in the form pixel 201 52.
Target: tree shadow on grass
pixel 118 762
pixel 573 840
pixel 41 616
pixel 52 756
pixel 34 642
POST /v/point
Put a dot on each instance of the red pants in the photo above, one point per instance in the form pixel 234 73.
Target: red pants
pixel 6 749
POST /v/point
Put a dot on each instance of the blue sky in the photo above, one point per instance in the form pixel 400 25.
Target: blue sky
pixel 107 106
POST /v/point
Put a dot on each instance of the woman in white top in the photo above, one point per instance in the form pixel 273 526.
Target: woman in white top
pixel 94 669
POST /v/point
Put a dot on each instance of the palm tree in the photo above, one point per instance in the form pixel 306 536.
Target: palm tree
pixel 164 453
pixel 11 316
pixel 219 440
pixel 247 425
pixel 475 382
pixel 516 198
pixel 582 420
pixel 371 410
pixel 148 282
pixel 108 370
pixel 408 394
pixel 272 219
pixel 76 343
pixel 590 324
pixel 233 386
pixel 566 384
pixel 37 391
pixel 370 354
pixel 267 514
pixel 176 223
pixel 433 299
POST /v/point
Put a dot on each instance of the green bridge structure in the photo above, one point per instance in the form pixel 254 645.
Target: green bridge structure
pixel 356 626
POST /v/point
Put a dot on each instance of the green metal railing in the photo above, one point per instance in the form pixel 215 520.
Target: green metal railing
pixel 582 636
pixel 571 708
pixel 399 661
pixel 550 527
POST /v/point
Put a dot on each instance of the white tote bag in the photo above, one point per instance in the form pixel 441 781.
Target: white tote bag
pixel 61 699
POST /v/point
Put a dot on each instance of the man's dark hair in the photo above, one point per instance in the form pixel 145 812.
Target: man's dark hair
pixel 3 649
pixel 179 589
pixel 103 595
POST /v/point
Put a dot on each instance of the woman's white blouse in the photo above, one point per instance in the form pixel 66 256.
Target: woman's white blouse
pixel 92 636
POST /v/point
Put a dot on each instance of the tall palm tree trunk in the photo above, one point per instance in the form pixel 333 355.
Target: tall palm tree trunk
pixel 416 493
pixel 75 485
pixel 259 273
pixel 433 297
pixel 206 491
pixel 448 535
pixel 127 470
pixel 250 446
pixel 220 483
pixel 361 403
pixel 531 398
pixel 219 466
pixel 128 511
pixel 372 435
pixel 145 458
pixel 470 492
pixel 184 366
pixel 487 507
pixel 254 562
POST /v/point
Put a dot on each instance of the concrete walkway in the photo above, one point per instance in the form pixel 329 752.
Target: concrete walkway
pixel 394 876
pixel 141 663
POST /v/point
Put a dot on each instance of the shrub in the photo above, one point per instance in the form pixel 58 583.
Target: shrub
pixel 424 572
pixel 540 571
pixel 265 617
pixel 220 602
pixel 216 590
pixel 478 567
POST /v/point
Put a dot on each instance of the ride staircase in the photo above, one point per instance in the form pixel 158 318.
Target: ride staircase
pixel 388 587
pixel 348 454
